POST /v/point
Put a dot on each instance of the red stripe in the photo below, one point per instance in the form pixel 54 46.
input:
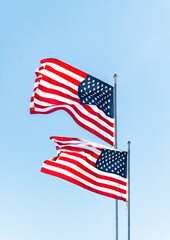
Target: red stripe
pixel 74 145
pixel 33 111
pixel 80 165
pixel 91 111
pixel 65 139
pixel 87 118
pixel 37 80
pixel 64 65
pixel 80 149
pixel 88 179
pixel 37 71
pixel 58 93
pixel 63 75
pixel 69 140
pixel 81 184
pixel 58 84
pixel 74 154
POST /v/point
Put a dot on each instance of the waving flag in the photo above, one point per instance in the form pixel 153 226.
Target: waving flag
pixel 92 166
pixel 87 99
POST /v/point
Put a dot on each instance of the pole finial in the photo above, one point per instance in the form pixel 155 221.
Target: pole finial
pixel 129 142
pixel 115 76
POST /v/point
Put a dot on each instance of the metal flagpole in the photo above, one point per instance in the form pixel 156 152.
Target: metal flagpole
pixel 115 135
pixel 129 190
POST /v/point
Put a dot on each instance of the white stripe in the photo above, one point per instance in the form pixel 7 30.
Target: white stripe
pixel 86 142
pixel 92 149
pixel 97 180
pixel 78 106
pixel 31 104
pixel 78 142
pixel 63 70
pixel 92 126
pixel 36 85
pixel 55 97
pixel 58 78
pixel 86 164
pixel 61 89
pixel 73 176
pixel 85 122
pixel 44 104
pixel 89 157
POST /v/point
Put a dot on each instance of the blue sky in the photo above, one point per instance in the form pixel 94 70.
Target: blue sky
pixel 101 38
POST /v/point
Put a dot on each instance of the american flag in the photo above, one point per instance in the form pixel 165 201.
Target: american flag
pixel 87 99
pixel 92 166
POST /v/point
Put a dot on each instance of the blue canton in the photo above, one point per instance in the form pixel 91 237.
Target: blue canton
pixel 93 91
pixel 112 161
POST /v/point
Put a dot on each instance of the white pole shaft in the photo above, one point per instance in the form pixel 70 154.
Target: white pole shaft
pixel 129 190
pixel 115 145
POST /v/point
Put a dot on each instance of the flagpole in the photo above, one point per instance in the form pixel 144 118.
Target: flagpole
pixel 129 190
pixel 115 144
